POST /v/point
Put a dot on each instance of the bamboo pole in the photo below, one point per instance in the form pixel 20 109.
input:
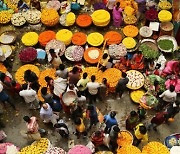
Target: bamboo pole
pixel 104 45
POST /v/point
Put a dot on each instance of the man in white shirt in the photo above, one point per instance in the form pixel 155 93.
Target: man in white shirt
pixel 47 115
pixel 168 96
pixel 92 89
pixel 30 96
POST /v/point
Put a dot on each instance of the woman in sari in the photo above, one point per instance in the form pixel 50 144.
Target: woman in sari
pixel 117 15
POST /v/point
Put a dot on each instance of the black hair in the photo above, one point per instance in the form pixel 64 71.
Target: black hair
pixel 93 78
pixel 44 90
pixel 124 74
pixel 133 113
pixel 116 129
pixel 143 130
pixel 61 67
pixel 57 125
pixel 2 76
pixel 79 94
pixel 171 88
pixel 117 4
pixel 75 69
pixel 27 72
pixel 51 51
pixel 85 75
pixel 157 66
pixel 13 83
pixel 112 114
pixel 77 121
pixel 105 55
pixel 40 103
pixel 24 86
pixel 90 107
pixel 98 133
pixel 156 82
pixel 47 78
pixel 27 119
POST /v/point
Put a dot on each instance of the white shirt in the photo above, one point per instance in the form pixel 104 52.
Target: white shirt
pixel 93 87
pixel 1 86
pixel 63 74
pixel 168 96
pixel 29 95
pixel 81 99
pixel 46 114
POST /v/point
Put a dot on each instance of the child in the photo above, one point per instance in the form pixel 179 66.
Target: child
pixel 80 127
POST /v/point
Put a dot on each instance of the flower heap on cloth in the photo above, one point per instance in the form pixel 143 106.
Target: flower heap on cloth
pixel 101 18
pixel 113 37
pixel 55 150
pixel 93 71
pixel 33 16
pixel 164 5
pixel 5 17
pixel 125 138
pixel 79 38
pixel 116 51
pixel 30 39
pixel 67 19
pixel 165 16
pixel 18 19
pixel 53 4
pixel 46 36
pixel 95 39
pixel 49 17
pixel 65 36
pixel 130 149
pixel 112 75
pixel 58 46
pixel 3 69
pixel 19 75
pixel 136 95
pixel 28 55
pixel 136 79
pixel 151 14
pixel 74 53
pixel 130 31
pixel 155 148
pixel 130 19
pixel 48 72
pixel 84 20
pixel 129 42
pixel 92 55
pixel 79 149
pixel 36 147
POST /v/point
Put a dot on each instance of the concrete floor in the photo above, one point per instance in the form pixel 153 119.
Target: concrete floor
pixel 15 123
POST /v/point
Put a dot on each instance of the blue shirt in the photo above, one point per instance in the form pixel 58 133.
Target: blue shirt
pixel 110 121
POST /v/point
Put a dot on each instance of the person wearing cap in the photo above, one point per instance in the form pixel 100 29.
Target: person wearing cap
pixel 110 121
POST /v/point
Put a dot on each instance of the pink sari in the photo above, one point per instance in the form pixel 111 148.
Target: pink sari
pixel 117 17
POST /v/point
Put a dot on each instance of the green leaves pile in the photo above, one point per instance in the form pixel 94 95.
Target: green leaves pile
pixel 166 44
pixel 148 52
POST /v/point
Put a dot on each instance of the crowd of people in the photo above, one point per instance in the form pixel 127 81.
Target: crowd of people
pixel 86 92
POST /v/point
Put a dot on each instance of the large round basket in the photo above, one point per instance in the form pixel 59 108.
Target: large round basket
pixel 167 37
pixel 6 49
pixel 125 138
pixel 166 28
pixel 136 79
pixel 172 140
pixel 8 37
pixel 68 98
pixel 28 55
